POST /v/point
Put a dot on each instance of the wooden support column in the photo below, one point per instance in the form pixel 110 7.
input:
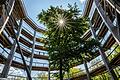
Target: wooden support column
pixel 19 48
pixel 104 58
pixel 108 22
pixel 8 16
pixel 49 71
pixel 11 55
pixel 118 22
pixel 33 50
pixel 22 56
pixel 87 70
pixel 49 63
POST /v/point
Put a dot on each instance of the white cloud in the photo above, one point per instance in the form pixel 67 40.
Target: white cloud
pixel 81 1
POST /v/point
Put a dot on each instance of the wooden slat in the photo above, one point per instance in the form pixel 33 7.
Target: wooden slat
pixel 107 21
pixel 21 66
pixel 114 62
pixel 40 56
pixel 109 42
pixel 25 42
pixel 28 44
pixel 33 25
pixel 30 37
pixel 26 34
pixel 6 43
pixel 88 7
pixel 40 47
pixel 19 9
pixel 4 40
pixel 87 35
pixel 102 31
pixel 28 54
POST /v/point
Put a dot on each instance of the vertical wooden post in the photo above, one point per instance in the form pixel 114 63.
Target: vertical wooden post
pixel 102 53
pixel 11 55
pixel 33 50
pixel 87 70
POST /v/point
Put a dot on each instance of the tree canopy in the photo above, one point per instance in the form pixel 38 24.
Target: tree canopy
pixel 64 30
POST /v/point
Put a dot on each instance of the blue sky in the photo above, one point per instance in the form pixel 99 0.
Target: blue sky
pixel 34 7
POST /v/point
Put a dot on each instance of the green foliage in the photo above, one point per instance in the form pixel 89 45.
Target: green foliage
pixel 71 72
pixel 62 41
pixel 42 76
pixel 118 49
pixel 65 41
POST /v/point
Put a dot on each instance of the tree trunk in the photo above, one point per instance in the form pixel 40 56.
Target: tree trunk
pixel 61 74
pixel 87 71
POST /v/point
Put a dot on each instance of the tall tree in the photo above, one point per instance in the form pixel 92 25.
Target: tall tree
pixel 64 30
